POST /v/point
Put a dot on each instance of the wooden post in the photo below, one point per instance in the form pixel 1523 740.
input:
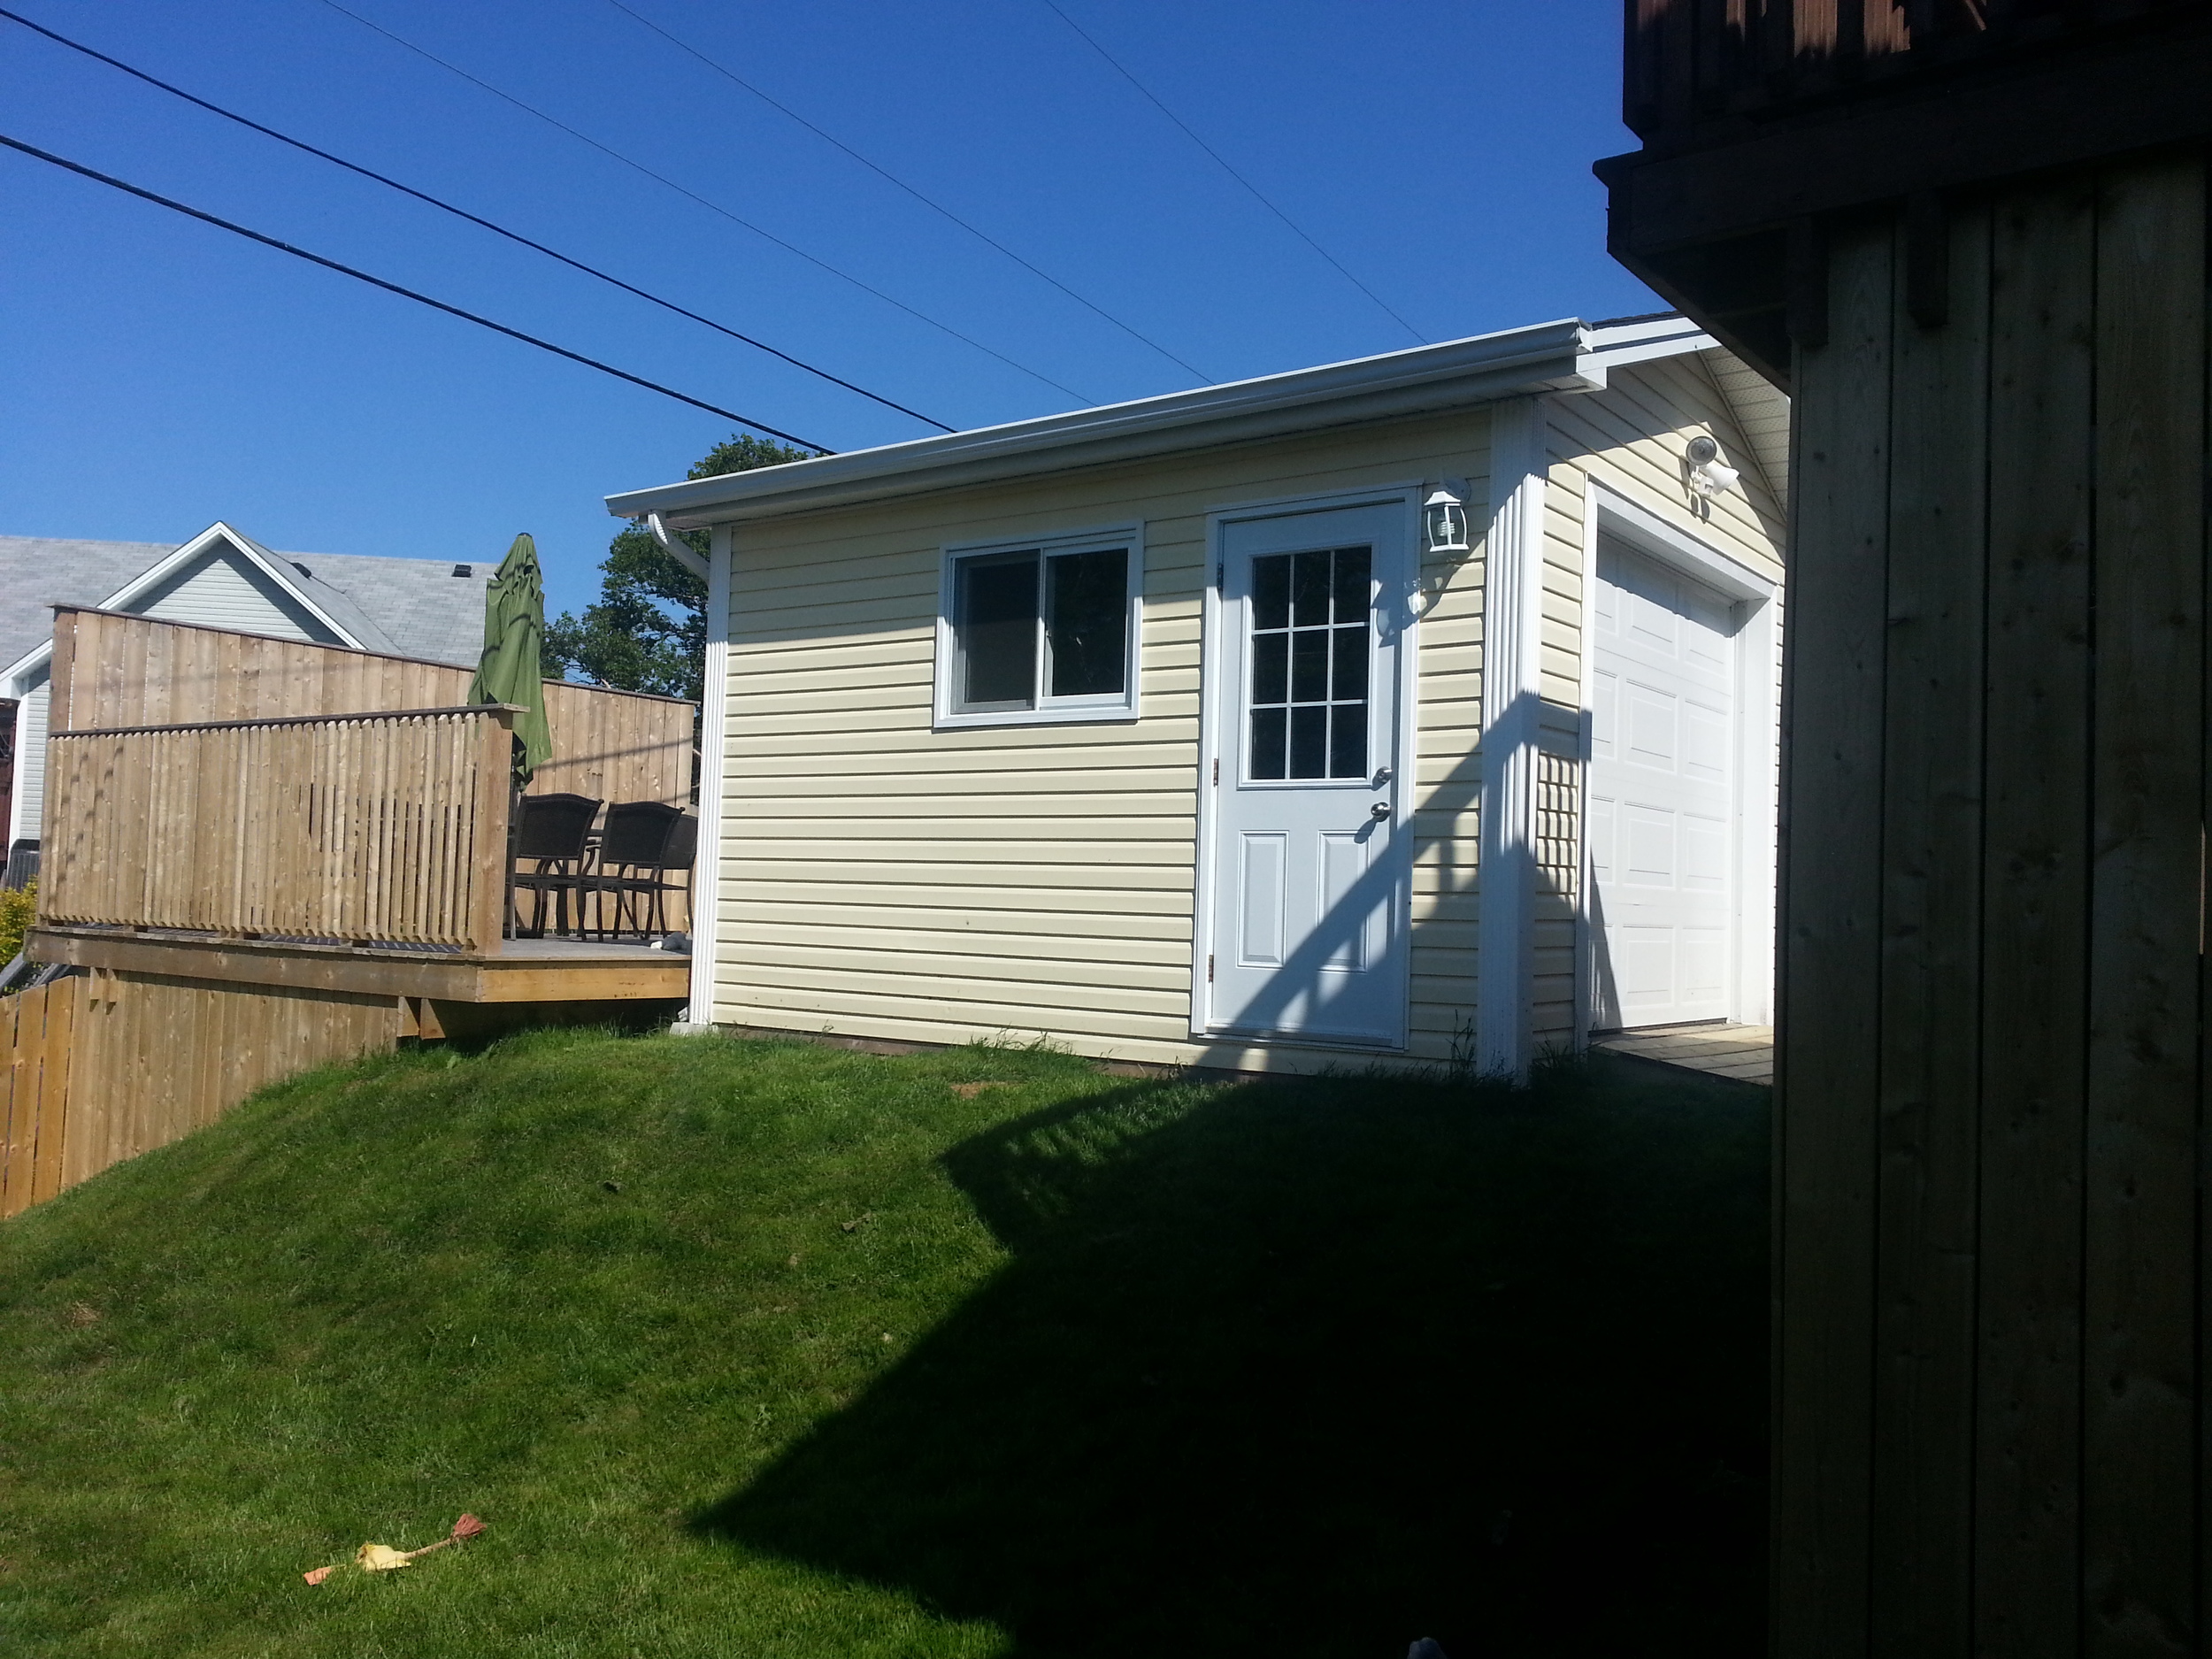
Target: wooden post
pixel 494 770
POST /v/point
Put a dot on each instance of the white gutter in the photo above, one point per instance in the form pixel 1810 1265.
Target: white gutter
pixel 1566 355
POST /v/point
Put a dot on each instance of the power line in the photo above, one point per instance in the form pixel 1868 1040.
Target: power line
pixel 500 230
pixel 420 299
pixel 883 172
pixel 1115 64
pixel 712 207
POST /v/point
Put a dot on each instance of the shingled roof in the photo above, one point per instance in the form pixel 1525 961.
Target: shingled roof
pixel 406 607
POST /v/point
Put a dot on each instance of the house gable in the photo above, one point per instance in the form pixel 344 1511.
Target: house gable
pixel 224 588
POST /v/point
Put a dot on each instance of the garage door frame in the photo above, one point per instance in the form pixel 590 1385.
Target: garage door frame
pixel 1756 605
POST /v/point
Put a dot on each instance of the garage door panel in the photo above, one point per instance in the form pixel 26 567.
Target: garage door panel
pixel 1650 734
pixel 1648 848
pixel 1704 844
pixel 1707 742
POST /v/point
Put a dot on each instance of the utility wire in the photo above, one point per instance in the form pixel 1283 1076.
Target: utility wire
pixel 881 171
pixel 712 207
pixel 499 230
pixel 1219 160
pixel 420 299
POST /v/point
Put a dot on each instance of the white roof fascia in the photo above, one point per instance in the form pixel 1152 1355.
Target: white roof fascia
pixel 1620 344
pixel 1565 356
pixel 161 570
pixel 25 664
pixel 1547 357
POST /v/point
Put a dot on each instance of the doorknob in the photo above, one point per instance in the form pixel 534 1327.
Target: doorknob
pixel 1380 810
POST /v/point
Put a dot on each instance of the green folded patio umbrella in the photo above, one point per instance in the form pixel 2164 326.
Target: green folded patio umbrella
pixel 509 670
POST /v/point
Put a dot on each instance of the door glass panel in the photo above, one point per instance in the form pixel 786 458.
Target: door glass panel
pixel 1309 649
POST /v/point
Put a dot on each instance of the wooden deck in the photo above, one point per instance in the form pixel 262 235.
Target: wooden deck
pixel 525 970
pixel 1745 1053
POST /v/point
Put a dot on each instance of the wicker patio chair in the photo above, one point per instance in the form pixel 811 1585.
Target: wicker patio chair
pixel 552 833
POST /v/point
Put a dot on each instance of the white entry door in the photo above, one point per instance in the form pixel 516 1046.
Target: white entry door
pixel 1309 865
pixel 1662 794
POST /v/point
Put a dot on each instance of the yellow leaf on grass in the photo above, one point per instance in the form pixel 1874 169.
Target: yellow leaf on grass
pixel 379 1558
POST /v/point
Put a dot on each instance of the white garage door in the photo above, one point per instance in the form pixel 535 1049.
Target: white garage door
pixel 1662 818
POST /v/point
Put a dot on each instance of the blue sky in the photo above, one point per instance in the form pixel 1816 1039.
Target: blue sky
pixel 161 374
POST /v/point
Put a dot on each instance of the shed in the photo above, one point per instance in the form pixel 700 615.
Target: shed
pixel 1197 730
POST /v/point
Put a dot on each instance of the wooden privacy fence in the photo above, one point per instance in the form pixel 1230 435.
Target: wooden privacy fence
pixel 100 1067
pixel 35 1029
pixel 382 828
pixel 112 670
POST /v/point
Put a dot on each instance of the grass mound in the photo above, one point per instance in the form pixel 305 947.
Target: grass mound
pixel 765 1349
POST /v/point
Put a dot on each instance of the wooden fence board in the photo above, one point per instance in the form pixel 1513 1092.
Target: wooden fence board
pixel 37 1051
pixel 1829 1000
pixel 2036 893
pixel 157 1056
pixel 310 827
pixel 1922 1530
pixel 612 746
pixel 2140 1314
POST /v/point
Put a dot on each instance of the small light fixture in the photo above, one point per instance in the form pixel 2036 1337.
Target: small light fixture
pixel 1709 476
pixel 1445 518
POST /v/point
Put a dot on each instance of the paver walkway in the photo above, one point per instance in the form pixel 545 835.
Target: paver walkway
pixel 1719 1049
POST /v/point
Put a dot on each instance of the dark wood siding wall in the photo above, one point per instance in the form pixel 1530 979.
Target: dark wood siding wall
pixel 1990 1269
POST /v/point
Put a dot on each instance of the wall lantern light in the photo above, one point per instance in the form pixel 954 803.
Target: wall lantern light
pixel 1709 476
pixel 1445 518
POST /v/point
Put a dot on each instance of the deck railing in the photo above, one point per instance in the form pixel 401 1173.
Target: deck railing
pixel 360 829
pixel 1695 64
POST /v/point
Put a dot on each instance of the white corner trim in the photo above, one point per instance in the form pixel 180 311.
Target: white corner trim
pixel 714 716
pixel 1512 656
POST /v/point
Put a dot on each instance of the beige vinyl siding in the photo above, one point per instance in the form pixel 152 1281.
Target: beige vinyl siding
pixel 883 880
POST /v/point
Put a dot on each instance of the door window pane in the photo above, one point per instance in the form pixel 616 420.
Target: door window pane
pixel 1351 584
pixel 1348 682
pixel 1087 623
pixel 995 626
pixel 1271 592
pixel 1271 668
pixel 1308 589
pixel 1309 666
pixel 1309 740
pixel 1348 740
pixel 1267 743
pixel 1309 643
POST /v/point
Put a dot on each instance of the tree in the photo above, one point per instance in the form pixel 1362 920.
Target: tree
pixel 648 630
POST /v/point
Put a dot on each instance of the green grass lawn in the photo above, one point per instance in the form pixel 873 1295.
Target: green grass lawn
pixel 768 1349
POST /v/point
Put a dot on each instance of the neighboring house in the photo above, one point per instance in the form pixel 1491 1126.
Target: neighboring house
pixel 423 608
pixel 1194 730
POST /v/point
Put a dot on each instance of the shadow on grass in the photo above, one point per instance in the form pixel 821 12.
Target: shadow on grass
pixel 1320 1368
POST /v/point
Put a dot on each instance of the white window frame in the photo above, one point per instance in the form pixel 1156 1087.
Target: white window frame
pixel 1121 707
